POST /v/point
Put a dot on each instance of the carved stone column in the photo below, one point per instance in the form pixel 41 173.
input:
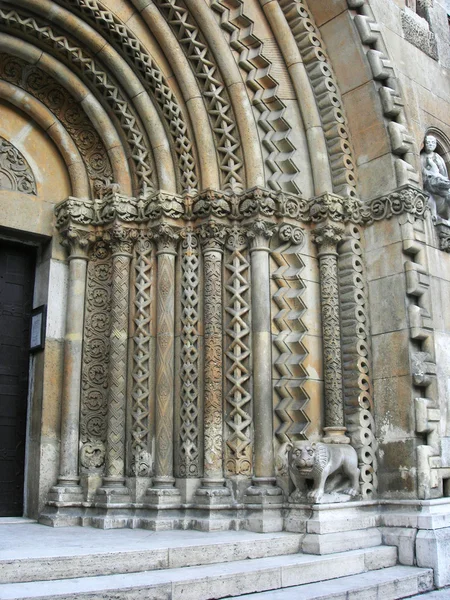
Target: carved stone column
pixel 212 238
pixel 263 490
pixel 327 237
pixel 121 240
pixel 163 491
pixel 77 241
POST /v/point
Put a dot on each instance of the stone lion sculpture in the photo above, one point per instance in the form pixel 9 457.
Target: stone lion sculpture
pixel 333 468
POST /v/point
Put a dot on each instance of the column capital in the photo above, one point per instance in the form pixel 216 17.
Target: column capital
pixel 212 236
pixel 327 236
pixel 166 238
pixel 259 234
pixel 121 239
pixel 78 241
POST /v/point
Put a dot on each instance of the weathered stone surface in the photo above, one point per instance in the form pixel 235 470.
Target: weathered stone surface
pixel 249 260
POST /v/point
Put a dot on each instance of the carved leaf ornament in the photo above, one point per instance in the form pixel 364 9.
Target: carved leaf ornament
pixel 15 173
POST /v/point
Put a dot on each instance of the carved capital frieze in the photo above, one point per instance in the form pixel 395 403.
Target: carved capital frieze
pixel 161 204
pixel 335 208
pixel 166 238
pixel 212 236
pixel 118 207
pixel 327 237
pixel 212 203
pixel 406 199
pixel 74 211
pixel 259 234
pixel 258 202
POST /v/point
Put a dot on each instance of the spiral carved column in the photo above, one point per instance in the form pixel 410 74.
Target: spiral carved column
pixel 327 237
pixel 212 238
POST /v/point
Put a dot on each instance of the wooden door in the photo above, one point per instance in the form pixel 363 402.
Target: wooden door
pixel 17 267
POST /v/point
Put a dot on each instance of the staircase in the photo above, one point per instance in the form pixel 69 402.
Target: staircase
pixel 89 564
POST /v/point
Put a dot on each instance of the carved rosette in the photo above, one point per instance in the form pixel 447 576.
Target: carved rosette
pixel 95 358
pixel 212 237
pixel 166 238
pixel 327 236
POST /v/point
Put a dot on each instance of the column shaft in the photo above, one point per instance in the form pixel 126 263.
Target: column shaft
pixel 71 392
pixel 327 236
pixel 331 331
pixel 165 369
pixel 115 454
pixel 213 417
pixel 262 364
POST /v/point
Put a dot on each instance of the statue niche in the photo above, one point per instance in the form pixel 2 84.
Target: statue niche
pixel 332 468
pixel 435 179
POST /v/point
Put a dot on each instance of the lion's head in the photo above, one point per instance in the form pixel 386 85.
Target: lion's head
pixel 306 457
pixel 302 457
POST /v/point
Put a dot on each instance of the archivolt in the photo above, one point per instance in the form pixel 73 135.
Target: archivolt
pixel 89 126
pixel 55 130
pixel 102 83
pixel 129 47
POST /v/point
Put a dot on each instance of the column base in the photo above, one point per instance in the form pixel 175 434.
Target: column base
pixel 113 493
pixel 68 491
pixel 163 494
pixel 263 490
pixel 335 435
pixel 264 501
pixel 213 492
pixel 61 516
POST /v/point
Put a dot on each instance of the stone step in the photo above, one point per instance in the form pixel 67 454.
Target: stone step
pixel 207 581
pixel 392 583
pixel 53 556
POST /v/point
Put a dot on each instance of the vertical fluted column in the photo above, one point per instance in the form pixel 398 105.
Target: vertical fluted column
pixel 327 237
pixel 122 241
pixel 259 234
pixel 166 239
pixel 77 242
pixel 212 238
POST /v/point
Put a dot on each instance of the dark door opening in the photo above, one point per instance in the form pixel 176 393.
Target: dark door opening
pixel 17 268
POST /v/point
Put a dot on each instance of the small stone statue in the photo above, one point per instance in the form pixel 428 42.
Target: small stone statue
pixel 333 469
pixel 435 179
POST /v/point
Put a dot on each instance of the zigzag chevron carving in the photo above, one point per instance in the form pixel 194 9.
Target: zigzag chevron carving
pixel 290 372
pixel 269 107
